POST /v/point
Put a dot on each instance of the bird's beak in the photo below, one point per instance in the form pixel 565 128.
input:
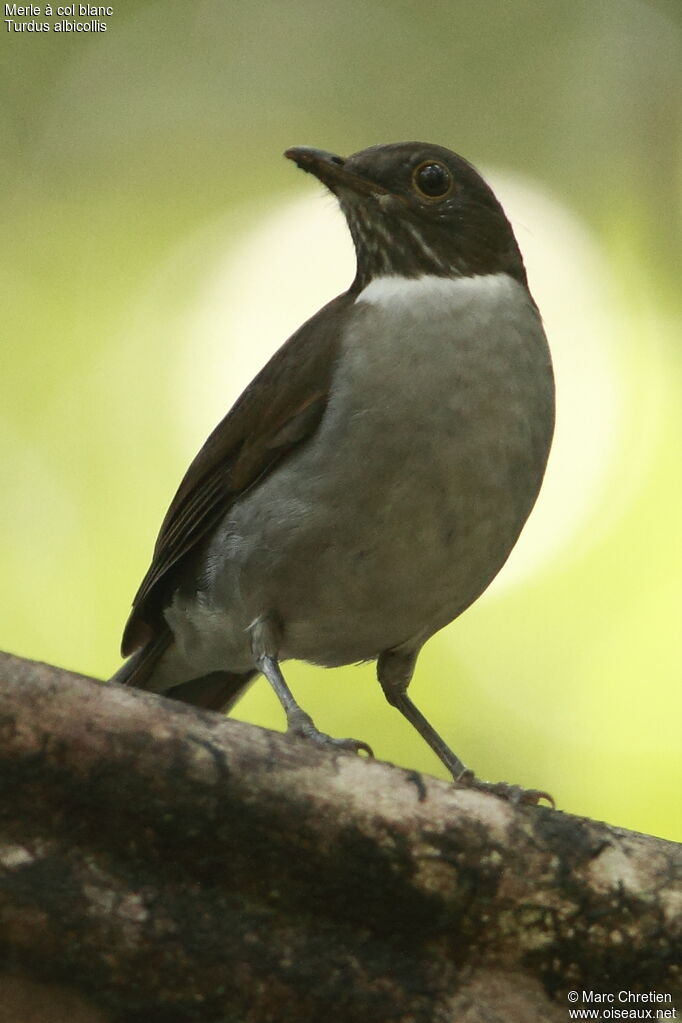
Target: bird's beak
pixel 331 171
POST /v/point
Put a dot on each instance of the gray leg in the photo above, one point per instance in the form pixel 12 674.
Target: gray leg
pixel 394 670
pixel 264 643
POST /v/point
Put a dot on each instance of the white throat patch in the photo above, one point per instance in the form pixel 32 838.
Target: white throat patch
pixel 393 290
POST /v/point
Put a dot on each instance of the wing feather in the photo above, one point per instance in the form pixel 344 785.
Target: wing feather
pixel 280 409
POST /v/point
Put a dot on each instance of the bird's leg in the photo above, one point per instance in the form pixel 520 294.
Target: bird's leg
pixel 394 670
pixel 264 643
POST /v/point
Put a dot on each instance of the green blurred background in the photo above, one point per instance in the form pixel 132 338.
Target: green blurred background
pixel 156 248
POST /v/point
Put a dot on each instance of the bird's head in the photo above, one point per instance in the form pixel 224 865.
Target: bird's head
pixel 413 209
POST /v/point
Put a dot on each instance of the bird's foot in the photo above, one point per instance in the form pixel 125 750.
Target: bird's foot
pixel 515 794
pixel 301 725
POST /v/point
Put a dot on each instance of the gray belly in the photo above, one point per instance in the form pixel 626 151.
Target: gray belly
pixel 405 504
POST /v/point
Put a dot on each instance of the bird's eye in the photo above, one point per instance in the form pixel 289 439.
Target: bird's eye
pixel 432 180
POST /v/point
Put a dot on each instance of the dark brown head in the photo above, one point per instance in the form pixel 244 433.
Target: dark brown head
pixel 413 209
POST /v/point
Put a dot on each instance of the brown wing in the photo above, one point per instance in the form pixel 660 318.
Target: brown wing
pixel 281 407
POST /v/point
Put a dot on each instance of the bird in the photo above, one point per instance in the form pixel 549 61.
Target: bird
pixel 373 478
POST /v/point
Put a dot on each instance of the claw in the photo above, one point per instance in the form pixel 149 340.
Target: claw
pixel 305 729
pixel 352 745
pixel 515 794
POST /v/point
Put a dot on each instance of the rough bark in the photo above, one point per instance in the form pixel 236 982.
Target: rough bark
pixel 160 863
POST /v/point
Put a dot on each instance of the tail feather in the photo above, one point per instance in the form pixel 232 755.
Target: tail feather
pixel 139 667
pixel 219 690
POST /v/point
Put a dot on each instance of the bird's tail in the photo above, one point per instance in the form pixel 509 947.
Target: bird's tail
pixel 219 690
pixel 139 667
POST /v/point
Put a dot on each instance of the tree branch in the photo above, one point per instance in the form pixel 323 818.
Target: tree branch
pixel 163 863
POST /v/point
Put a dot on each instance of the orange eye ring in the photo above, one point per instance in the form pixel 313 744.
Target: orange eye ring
pixel 432 180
